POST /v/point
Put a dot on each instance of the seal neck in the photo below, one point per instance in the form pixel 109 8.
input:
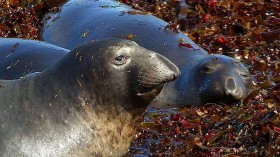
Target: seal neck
pixel 72 105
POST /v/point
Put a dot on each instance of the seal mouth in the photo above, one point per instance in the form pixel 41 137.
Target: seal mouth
pixel 224 100
pixel 230 103
pixel 151 90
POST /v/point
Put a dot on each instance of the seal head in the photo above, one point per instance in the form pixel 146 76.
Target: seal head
pixel 217 84
pixel 139 72
pixel 87 104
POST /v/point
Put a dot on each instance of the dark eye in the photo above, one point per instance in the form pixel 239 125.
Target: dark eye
pixel 121 59
pixel 244 75
pixel 208 69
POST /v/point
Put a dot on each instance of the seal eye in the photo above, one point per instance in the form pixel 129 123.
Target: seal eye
pixel 208 69
pixel 121 59
pixel 244 75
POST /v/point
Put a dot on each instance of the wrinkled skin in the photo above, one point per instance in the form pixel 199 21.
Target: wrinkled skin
pixel 80 21
pixel 86 104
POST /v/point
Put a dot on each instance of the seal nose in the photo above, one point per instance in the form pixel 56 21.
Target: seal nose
pixel 169 69
pixel 174 72
pixel 232 90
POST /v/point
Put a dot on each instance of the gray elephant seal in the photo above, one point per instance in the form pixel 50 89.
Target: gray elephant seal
pixel 205 78
pixel 19 57
pixel 86 104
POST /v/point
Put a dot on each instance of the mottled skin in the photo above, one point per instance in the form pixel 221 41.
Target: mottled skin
pixel 79 21
pixel 86 104
pixel 19 57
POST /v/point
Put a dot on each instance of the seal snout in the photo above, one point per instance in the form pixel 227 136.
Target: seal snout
pixel 160 71
pixel 174 77
pixel 171 75
pixel 170 71
pixel 232 90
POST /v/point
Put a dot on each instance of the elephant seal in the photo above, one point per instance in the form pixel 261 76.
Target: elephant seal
pixel 205 78
pixel 19 57
pixel 86 104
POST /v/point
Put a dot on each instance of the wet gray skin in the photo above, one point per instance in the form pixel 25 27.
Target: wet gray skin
pixel 19 57
pixel 203 79
pixel 216 83
pixel 87 104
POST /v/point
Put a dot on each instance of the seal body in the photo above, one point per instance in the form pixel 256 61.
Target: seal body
pixel 86 104
pixel 79 21
pixel 19 57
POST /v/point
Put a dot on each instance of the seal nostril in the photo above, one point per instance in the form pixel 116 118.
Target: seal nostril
pixel 230 84
pixel 174 77
pixel 175 74
pixel 233 91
